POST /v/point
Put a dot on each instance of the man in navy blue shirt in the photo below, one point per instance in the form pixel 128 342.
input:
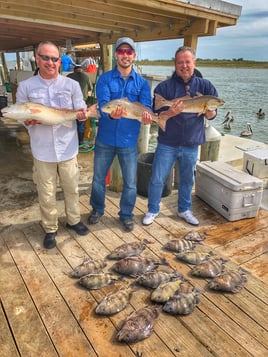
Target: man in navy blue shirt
pixel 118 135
pixel 184 133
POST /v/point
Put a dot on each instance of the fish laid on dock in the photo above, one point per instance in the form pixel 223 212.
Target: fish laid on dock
pixel 128 250
pixel 229 281
pixel 179 245
pixel 198 104
pixel 182 303
pixel 138 325
pixel 153 279
pixel 114 302
pixel 132 110
pixel 210 268
pixel 193 257
pixel 98 280
pixel 194 236
pixel 44 115
pixel 134 266
pixel 88 266
pixel 164 291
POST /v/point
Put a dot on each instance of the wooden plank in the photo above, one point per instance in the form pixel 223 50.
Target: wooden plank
pixel 247 247
pixel 80 301
pixel 259 267
pixel 7 343
pixel 29 333
pixel 68 338
pixel 242 337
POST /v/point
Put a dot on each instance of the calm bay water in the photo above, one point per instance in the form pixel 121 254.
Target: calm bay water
pixel 244 91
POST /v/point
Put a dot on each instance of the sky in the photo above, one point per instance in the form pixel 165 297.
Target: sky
pixel 248 39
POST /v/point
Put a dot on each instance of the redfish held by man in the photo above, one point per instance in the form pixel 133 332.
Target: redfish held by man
pixel 198 104
pixel 20 112
pixel 132 110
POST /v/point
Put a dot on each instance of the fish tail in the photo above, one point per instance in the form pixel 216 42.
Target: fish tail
pixel 162 123
pixel 159 101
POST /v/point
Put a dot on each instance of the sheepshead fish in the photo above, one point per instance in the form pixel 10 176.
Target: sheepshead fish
pixel 164 291
pixel 114 302
pixel 179 245
pixel 209 269
pixel 134 266
pixel 44 115
pixel 88 266
pixel 128 250
pixel 194 236
pixel 193 257
pixel 198 104
pixel 182 303
pixel 132 110
pixel 98 280
pixel 229 281
pixel 138 325
pixel 152 279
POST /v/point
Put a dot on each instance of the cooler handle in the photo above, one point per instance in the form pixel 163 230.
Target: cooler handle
pixel 249 200
pixel 248 170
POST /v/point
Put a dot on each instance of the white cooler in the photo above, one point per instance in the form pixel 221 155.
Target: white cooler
pixel 231 192
pixel 255 162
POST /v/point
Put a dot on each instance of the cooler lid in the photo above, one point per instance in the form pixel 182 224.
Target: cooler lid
pixel 261 154
pixel 229 176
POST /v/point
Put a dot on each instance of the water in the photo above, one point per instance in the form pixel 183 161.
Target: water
pixel 244 91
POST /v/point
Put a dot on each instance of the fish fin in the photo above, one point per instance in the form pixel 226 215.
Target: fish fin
pixel 198 94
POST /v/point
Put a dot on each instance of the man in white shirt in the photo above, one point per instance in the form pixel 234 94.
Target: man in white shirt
pixel 54 147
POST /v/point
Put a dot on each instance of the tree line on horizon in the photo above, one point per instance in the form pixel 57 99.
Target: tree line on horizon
pixel 235 62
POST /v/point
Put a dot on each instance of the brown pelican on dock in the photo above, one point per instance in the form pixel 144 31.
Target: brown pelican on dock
pixel 248 131
pixel 260 113
pixel 227 121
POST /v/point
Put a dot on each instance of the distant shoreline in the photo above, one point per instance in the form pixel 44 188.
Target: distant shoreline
pixel 210 63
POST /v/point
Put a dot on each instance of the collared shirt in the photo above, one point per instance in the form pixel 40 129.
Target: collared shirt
pixel 186 128
pixel 52 143
pixel 111 85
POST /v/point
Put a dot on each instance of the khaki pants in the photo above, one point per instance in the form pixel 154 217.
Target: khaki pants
pixel 45 176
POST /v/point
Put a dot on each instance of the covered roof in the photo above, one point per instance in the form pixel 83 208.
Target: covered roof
pixel 23 24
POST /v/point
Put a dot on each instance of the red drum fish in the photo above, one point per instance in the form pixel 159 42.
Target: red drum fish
pixel 198 104
pixel 45 115
pixel 132 110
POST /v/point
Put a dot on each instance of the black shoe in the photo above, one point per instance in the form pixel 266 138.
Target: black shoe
pixel 50 240
pixel 94 217
pixel 128 225
pixel 79 228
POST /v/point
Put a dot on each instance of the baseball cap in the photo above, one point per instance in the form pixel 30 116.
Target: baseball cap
pixel 77 66
pixel 126 40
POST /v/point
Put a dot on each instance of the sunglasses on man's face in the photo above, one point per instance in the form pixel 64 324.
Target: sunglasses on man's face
pixel 122 51
pixel 47 58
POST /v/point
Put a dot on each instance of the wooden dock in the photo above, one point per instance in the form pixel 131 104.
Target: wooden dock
pixel 44 312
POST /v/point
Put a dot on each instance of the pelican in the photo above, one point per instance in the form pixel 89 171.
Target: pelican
pixel 247 132
pixel 227 121
pixel 260 113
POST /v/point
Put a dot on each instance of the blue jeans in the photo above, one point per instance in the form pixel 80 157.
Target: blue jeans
pixel 164 159
pixel 103 158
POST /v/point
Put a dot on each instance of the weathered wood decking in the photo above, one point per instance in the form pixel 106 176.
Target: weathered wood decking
pixel 45 313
